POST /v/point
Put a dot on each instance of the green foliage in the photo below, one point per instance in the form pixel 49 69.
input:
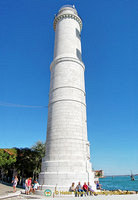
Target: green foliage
pixel 26 161
pixel 7 159
pixel 29 160
pixel 40 148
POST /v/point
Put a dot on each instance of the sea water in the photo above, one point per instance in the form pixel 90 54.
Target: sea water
pixel 119 182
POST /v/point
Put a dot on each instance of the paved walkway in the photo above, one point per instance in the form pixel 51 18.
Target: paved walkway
pixel 7 191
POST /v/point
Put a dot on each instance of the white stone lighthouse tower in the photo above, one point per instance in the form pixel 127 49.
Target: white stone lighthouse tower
pixel 67 157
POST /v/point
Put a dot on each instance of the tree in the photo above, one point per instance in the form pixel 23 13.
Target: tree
pixel 25 163
pixel 7 158
pixel 28 162
pixel 39 149
pixel 7 162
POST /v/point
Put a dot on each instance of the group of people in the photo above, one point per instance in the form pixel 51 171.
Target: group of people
pixel 29 187
pixel 79 190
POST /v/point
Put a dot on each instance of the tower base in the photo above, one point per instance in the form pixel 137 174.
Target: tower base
pixel 62 181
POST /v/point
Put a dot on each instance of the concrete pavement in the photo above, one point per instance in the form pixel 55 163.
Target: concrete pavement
pixel 6 192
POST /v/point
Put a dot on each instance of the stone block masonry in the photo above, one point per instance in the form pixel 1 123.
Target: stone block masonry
pixel 67 157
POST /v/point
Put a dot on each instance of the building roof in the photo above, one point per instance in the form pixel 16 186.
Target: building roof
pixel 10 151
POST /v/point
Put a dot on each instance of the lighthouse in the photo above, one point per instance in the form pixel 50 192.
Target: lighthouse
pixel 67 158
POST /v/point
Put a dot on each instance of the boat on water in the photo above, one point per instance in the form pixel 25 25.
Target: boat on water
pixel 132 177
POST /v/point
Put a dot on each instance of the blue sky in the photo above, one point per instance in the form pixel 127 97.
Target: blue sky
pixel 110 54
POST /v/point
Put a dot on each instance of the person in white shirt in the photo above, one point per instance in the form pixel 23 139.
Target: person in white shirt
pixel 35 186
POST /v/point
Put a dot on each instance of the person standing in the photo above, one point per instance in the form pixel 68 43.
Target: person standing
pixel 15 181
pixel 26 186
pixel 30 184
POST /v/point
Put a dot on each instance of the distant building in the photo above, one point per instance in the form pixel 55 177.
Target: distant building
pixel 9 151
pixel 99 173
